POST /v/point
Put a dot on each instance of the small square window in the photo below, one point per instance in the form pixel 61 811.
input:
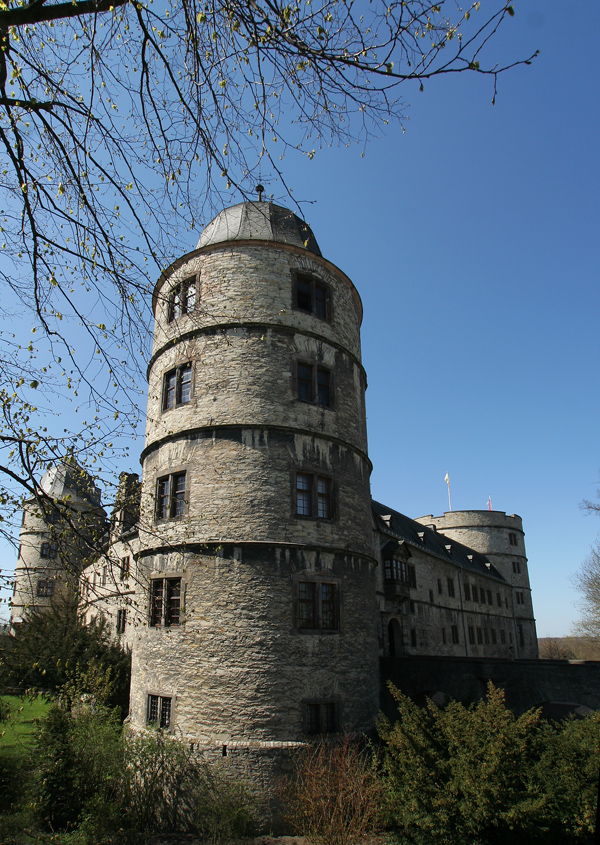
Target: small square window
pixel 49 550
pixel 317 606
pixel 320 718
pixel 45 589
pixel 159 711
pixel 313 496
pixel 312 296
pixel 314 384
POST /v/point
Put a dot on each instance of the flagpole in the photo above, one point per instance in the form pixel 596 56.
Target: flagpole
pixel 447 480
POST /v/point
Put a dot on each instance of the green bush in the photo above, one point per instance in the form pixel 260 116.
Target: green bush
pixel 225 805
pixel 461 775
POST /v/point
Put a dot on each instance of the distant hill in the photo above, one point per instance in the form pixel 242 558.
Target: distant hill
pixel 569 648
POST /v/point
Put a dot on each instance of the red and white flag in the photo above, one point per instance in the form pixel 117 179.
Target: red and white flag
pixel 489 503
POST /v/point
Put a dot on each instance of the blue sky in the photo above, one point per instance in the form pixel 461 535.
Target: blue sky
pixel 473 239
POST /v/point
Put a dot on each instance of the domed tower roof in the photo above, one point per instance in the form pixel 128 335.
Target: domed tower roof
pixel 260 221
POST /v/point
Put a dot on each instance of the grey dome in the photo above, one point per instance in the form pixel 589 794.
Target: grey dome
pixel 260 221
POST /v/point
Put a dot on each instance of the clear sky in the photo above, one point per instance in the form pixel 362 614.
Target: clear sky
pixel 473 239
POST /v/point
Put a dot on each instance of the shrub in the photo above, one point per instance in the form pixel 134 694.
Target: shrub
pixel 226 806
pixel 335 794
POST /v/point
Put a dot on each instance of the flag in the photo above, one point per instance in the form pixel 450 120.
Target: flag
pixel 489 503
pixel 447 479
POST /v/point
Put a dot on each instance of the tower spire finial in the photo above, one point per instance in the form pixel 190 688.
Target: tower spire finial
pixel 260 190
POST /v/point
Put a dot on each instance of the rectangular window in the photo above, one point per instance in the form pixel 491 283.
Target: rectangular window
pixel 512 538
pixel 165 602
pixel 305 382
pixel 520 598
pixel 479 636
pixel 49 550
pixel 121 620
pixel 455 638
pixel 498 599
pixel 471 630
pixel 516 565
pixel 521 637
pixel 320 718
pixel 451 587
pixel 313 297
pixel 323 387
pixel 430 596
pixel 502 635
pixel 177 387
pixel 159 711
pixel 45 588
pixel 481 595
pixel 411 608
pixel 440 590
pixel 493 634
pixel 467 590
pixel 170 496
pixel 313 496
pixel 489 597
pixel 444 636
pixel 474 592
pixel 317 606
pixel 486 636
pixel 403 572
pixel 124 568
pixel 182 299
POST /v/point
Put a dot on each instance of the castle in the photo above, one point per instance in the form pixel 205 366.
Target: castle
pixel 256 582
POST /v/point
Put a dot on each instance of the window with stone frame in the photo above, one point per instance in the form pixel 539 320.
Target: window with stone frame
pixel 159 711
pixel 170 496
pixel 455 637
pixel 450 587
pixel 317 606
pixel 312 296
pixel 177 387
pixel 49 550
pixel 320 717
pixel 121 620
pixel 314 496
pixel 45 589
pixel 314 384
pixel 165 602
pixel 520 598
pixel 399 570
pixel 182 298
pixel 512 538
pixel 516 566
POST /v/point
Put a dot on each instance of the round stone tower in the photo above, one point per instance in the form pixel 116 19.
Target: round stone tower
pixel 60 528
pixel 500 537
pixel 255 533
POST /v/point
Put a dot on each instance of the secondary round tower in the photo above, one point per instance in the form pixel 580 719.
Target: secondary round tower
pixel 255 534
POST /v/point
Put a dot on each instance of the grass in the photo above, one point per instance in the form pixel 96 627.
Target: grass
pixel 18 730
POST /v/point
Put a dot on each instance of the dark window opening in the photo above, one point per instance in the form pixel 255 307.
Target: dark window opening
pixel 320 718
pixel 467 590
pixel 313 496
pixel 49 550
pixel 413 637
pixel 402 572
pixel 159 711
pixel 124 568
pixel 313 297
pixel 512 538
pixel 451 587
pixel 45 588
pixel 471 631
pixel 177 387
pixel 165 602
pixel 121 620
pixel 314 385
pixel 455 637
pixel 317 606
pixel 170 496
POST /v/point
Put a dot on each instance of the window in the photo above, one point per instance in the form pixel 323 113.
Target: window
pixel 440 590
pixel 165 602
pixel 320 717
pixel 313 297
pixel 124 568
pixel 498 599
pixel 481 595
pixel 512 538
pixel 471 630
pixel 400 570
pixel 49 550
pixel 516 567
pixel 489 597
pixel 411 608
pixel 444 636
pixel 159 711
pixel 486 636
pixel 431 596
pixel 493 633
pixel 182 299
pixel 314 385
pixel 45 588
pixel 413 637
pixel 451 587
pixel 313 496
pixel 177 387
pixel 317 606
pixel 121 620
pixel 521 637
pixel 467 592
pixel 520 598
pixel 502 635
pixel 455 639
pixel 474 592
pixel 479 636
pixel 170 496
